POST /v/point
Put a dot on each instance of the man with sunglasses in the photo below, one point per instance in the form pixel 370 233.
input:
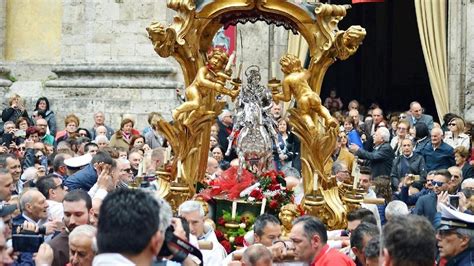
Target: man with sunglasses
pixel 455 237
pixel 426 205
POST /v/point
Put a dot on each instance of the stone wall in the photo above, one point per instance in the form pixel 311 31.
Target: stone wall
pixel 3 7
pixel 469 89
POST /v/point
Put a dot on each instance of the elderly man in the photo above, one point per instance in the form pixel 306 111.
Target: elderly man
pixel 193 212
pixel 76 205
pixel 406 164
pixel 34 211
pixel 408 240
pixel 7 187
pixel 381 158
pixel 53 189
pixel 438 155
pixel 225 123
pixel 340 171
pixel 81 245
pixel 99 120
pixel 131 230
pixel 426 205
pixel 358 125
pixel 124 170
pixel 456 179
pixel 396 208
pixel 309 237
pixel 417 116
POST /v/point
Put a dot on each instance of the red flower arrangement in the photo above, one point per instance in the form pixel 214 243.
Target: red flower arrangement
pixel 272 186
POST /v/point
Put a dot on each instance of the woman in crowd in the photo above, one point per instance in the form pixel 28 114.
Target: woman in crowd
pixel 218 154
pixel 288 144
pixel 43 109
pixel 215 130
pixel 123 136
pixel 137 141
pixel 213 142
pixel 461 154
pixel 22 123
pixel 15 110
pixel 71 122
pixel 403 128
pixel 82 132
pixel 456 137
pixel 352 135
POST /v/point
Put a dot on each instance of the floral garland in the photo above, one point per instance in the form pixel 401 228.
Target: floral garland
pixel 272 186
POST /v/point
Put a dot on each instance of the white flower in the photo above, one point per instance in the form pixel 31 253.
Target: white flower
pixel 231 239
pixel 242 225
pixel 251 199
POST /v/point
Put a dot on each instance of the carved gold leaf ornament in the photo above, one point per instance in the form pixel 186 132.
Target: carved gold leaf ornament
pixel 189 38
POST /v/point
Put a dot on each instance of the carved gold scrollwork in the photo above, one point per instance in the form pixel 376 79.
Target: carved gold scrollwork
pixel 189 37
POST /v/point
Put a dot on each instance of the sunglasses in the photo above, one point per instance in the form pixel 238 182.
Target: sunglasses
pixel 21 148
pixel 451 124
pixel 437 183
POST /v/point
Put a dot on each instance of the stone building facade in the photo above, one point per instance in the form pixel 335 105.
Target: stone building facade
pixel 89 56
pixel 94 55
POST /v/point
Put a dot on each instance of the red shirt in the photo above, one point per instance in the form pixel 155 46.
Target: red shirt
pixel 331 257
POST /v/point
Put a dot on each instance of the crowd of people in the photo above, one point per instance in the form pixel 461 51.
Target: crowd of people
pixel 69 186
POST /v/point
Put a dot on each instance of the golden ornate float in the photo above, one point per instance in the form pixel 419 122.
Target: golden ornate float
pixel 189 38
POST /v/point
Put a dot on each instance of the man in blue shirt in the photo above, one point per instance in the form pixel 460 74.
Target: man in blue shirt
pixel 438 155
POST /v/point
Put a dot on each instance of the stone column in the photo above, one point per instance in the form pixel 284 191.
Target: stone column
pixel 469 81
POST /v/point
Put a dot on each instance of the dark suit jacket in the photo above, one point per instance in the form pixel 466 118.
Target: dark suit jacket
pixel 426 206
pixel 83 179
pixel 380 160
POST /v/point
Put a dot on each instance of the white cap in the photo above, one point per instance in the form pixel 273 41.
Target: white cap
pixel 78 161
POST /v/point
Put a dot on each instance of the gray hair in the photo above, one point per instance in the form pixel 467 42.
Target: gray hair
pixel 166 213
pixel 337 166
pixel 101 138
pixel 191 206
pixel 384 133
pixel 467 181
pixel 27 197
pixel 30 173
pixel 396 208
pixel 291 171
pixel 224 113
pixel 255 253
pixel 87 231
pixel 8 123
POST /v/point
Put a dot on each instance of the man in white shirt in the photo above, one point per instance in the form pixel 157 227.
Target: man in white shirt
pixel 53 189
pixel 194 214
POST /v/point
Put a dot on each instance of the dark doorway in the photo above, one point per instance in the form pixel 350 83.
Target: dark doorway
pixel 389 67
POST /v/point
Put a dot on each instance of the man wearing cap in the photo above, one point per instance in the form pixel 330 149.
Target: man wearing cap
pixel 87 177
pixel 455 237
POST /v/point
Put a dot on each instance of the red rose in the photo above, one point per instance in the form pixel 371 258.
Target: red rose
pixel 273 204
pixel 274 187
pixel 219 235
pixel 239 241
pixel 257 194
pixel 226 245
pixel 221 221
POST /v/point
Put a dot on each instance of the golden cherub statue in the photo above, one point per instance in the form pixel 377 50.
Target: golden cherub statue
pixel 213 76
pixel 295 83
pixel 287 214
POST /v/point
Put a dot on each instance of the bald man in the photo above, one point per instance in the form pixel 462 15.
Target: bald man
pixel 437 155
pixel 417 116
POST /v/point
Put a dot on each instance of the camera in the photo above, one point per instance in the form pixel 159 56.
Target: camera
pixel 454 201
pixel 27 242
pixel 177 247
